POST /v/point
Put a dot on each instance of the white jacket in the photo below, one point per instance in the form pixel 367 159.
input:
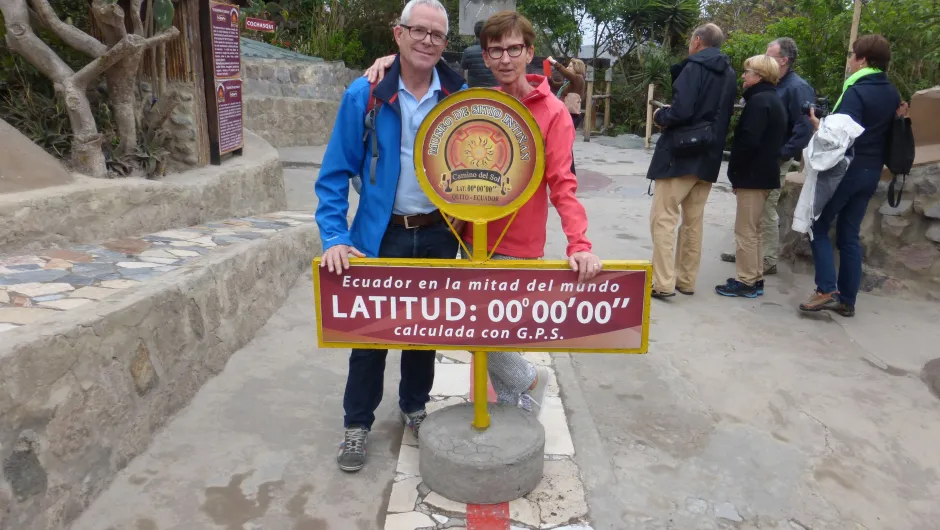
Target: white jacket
pixel 825 163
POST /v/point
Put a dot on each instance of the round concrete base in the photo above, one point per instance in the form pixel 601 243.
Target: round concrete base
pixel 500 464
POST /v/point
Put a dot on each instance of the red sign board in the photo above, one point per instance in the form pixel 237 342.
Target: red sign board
pixel 496 306
pixel 260 24
pixel 226 45
pixel 222 63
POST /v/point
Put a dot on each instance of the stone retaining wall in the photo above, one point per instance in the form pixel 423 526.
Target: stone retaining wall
pixel 901 245
pixel 92 210
pixel 83 394
pixel 293 102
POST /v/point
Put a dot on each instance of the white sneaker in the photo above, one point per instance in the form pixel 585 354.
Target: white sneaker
pixel 532 400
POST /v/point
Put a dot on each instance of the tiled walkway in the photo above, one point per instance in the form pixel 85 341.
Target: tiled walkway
pixel 38 286
pixel 558 502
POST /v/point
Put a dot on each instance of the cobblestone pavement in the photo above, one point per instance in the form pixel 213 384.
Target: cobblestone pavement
pixel 38 286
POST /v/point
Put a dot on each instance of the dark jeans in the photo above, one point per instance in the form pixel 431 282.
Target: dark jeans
pixel 364 384
pixel 848 204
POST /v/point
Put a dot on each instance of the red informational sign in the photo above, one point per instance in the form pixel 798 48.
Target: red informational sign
pixel 260 24
pixel 229 95
pixel 492 307
pixel 226 45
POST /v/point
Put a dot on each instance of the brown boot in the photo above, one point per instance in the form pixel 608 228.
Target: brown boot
pixel 821 302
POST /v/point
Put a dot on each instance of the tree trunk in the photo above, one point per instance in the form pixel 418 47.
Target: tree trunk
pixel 87 156
pixel 122 92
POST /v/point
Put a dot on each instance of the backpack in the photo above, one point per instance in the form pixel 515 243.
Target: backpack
pixel 899 155
pixel 372 110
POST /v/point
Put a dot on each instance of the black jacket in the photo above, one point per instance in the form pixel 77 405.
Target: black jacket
pixel 761 130
pixel 477 72
pixel 872 102
pixel 703 89
pixel 794 91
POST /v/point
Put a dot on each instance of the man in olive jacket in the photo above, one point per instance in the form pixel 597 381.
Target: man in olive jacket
pixel 704 87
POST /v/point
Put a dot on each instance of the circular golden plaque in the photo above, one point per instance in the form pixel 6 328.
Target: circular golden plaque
pixel 479 155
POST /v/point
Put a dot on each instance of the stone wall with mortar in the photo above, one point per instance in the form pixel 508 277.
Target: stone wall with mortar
pixel 293 102
pixel 901 245
pixel 181 126
pixel 83 394
pixel 91 210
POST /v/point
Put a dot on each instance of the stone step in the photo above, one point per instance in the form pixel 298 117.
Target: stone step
pixel 101 344
pixel 290 121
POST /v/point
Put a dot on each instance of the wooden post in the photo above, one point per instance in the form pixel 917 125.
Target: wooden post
pixel 589 104
pixel 853 34
pixel 608 76
pixel 649 113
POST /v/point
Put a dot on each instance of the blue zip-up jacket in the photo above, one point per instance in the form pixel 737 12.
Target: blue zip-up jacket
pixel 349 153
pixel 794 91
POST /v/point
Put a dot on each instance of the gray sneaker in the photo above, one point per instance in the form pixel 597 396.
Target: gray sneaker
pixel 413 421
pixel 532 400
pixel 352 452
pixel 729 257
pixel 770 269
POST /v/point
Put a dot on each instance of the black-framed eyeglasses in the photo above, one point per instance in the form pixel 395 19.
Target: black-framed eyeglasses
pixel 495 52
pixel 418 33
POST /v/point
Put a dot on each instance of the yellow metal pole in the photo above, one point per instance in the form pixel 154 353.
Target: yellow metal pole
pixel 481 413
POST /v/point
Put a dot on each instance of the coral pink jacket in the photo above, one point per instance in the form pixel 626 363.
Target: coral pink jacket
pixel 526 236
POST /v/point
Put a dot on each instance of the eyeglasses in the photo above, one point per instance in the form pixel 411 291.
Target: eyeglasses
pixel 419 34
pixel 495 52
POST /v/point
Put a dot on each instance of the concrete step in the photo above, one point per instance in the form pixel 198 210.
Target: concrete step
pixel 101 344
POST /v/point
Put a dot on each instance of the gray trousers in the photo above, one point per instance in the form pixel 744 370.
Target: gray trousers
pixel 510 373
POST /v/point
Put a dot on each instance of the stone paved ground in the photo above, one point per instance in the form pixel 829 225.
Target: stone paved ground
pixel 38 286
pixel 744 414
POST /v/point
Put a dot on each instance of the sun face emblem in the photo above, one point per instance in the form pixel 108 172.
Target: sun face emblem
pixel 479 152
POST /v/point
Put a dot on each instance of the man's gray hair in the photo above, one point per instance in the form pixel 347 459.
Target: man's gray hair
pixel 711 35
pixel 787 49
pixel 406 12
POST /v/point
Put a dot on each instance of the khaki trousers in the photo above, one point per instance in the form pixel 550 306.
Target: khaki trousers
pixel 770 221
pixel 674 197
pixel 748 255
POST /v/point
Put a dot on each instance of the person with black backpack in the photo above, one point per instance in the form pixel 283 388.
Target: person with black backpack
pixel 874 103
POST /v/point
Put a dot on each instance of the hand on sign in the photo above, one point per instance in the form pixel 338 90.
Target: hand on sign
pixel 376 72
pixel 587 265
pixel 458 225
pixel 336 259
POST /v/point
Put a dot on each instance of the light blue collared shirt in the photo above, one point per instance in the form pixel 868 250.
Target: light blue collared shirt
pixel 410 199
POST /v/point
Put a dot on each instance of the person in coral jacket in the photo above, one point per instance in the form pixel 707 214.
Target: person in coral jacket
pixel 508 42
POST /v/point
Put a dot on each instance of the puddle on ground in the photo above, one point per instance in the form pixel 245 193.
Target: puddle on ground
pixel 589 180
pixel 228 506
pixel 931 376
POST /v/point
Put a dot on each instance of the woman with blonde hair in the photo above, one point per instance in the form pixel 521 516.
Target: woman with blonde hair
pixel 754 170
pixel 572 90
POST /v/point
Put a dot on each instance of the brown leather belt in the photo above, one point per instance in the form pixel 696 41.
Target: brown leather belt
pixel 418 220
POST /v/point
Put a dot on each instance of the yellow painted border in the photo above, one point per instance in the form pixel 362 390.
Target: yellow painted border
pixel 508 264
pixel 477 213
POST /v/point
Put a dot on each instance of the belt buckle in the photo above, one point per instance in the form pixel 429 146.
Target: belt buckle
pixel 406 218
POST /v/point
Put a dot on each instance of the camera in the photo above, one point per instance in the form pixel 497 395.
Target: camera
pixel 820 106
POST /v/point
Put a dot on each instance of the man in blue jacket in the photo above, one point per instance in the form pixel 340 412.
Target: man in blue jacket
pixel 395 219
pixel 794 91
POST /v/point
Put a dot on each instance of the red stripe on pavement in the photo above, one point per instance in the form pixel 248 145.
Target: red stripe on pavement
pixel 488 516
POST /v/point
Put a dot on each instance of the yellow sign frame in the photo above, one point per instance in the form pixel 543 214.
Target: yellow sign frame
pixel 480 213
pixel 507 264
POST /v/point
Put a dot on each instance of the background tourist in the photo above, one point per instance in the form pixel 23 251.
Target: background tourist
pixel 704 90
pixel 794 91
pixel 754 169
pixel 871 101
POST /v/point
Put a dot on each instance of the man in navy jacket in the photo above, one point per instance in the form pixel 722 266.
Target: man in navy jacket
pixel 794 91
pixel 395 219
